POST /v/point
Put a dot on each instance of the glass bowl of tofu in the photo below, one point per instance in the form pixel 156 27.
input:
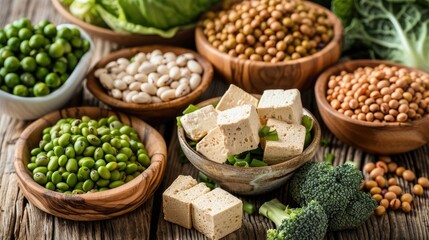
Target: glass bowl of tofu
pixel 249 144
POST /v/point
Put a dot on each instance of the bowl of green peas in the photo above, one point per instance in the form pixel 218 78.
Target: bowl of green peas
pixel 89 163
pixel 41 66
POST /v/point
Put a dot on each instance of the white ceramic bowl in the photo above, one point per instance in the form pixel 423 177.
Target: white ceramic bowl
pixel 27 108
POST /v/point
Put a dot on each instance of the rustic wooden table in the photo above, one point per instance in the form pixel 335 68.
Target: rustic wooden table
pixel 19 219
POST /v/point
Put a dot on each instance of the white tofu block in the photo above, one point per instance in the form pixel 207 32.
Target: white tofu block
pixel 280 104
pixel 213 147
pixel 217 213
pixel 290 143
pixel 240 126
pixel 176 207
pixel 197 124
pixel 235 97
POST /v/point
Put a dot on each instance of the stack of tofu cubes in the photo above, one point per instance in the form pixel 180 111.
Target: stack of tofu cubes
pixel 232 127
pixel 215 213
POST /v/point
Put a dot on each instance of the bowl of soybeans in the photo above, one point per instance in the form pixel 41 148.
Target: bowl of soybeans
pixel 153 82
pixel 378 106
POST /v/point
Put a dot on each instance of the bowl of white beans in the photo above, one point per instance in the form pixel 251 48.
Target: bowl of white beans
pixel 153 82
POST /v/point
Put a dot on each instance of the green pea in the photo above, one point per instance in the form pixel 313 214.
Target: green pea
pixel 87 162
pixel 107 148
pixel 58 151
pixel 62 186
pixel 28 64
pixel 31 166
pixel 141 146
pixel 131 168
pixel 102 182
pixel 122 166
pixel 40 178
pixel 36 41
pixel 127 151
pixel 121 157
pixel 65 33
pixel 125 143
pixel 129 178
pixel 104 172
pixel 99 163
pixel 89 151
pixel 94 175
pixel 144 159
pixel 56 177
pixel 79 146
pixel 43 170
pixel 78 185
pixel 84 172
pixel 56 50
pixel 93 140
pixel 110 158
pixel 65 175
pixel 115 175
pixel 35 151
pixel 50 186
pixel 112 166
pixel 116 184
pixel 71 165
pixel 52 80
pixel 64 139
pixel 134 146
pixel 20 90
pixel 71 180
pixel 50 30
pixel 41 73
pixel 42 161
pixel 99 153
pixel 69 152
pixel 40 89
pixel 134 136
pixel 28 80
pixel 140 168
pixel 53 163
pixel 77 191
pixel 62 160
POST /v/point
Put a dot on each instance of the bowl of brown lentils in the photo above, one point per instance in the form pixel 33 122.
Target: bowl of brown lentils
pixel 378 106
pixel 270 44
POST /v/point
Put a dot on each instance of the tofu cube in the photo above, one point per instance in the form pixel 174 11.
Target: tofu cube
pixel 197 124
pixel 235 97
pixel 176 200
pixel 290 143
pixel 213 146
pixel 217 213
pixel 280 104
pixel 240 126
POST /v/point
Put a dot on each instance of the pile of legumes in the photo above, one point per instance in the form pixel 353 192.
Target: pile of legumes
pixel 268 30
pixel 153 77
pixel 388 192
pixel 37 60
pixel 84 155
pixel 380 94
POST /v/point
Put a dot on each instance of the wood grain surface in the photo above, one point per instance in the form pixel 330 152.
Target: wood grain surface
pixel 20 219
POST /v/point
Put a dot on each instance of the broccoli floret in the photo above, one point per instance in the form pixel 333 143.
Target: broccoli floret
pixel 305 223
pixel 359 209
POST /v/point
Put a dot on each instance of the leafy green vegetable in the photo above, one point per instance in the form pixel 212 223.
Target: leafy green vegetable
pixel 85 10
pixel 267 134
pixel 396 30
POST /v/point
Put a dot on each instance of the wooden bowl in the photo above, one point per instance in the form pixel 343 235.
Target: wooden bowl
pixel 251 180
pixel 91 206
pixel 183 37
pixel 257 76
pixel 381 138
pixel 153 111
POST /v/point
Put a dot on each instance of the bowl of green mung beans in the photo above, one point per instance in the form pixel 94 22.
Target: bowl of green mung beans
pixel 89 163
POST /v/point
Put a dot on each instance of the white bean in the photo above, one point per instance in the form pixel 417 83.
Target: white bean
pixel 181 61
pixel 171 64
pixel 157 60
pixel 156 52
pixel 111 64
pixel 141 97
pixel 130 95
pixel 106 80
pixel 140 57
pixel 124 94
pixel 194 67
pixel 141 77
pixel 162 69
pixel 121 75
pixel 152 78
pixel 128 79
pixel 99 71
pixel 188 56
pixel 170 56
pixel 132 68
pixel 146 68
pixel 119 84
pixel 194 81
pixel 123 61
pixel 164 80
pixel 174 73
pixel 174 84
pixel 115 70
pixel 184 81
pixel 135 86
pixel 156 99
pixel 148 88
pixel 168 95
pixel 161 90
pixel 182 90
pixel 116 93
pixel 185 73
